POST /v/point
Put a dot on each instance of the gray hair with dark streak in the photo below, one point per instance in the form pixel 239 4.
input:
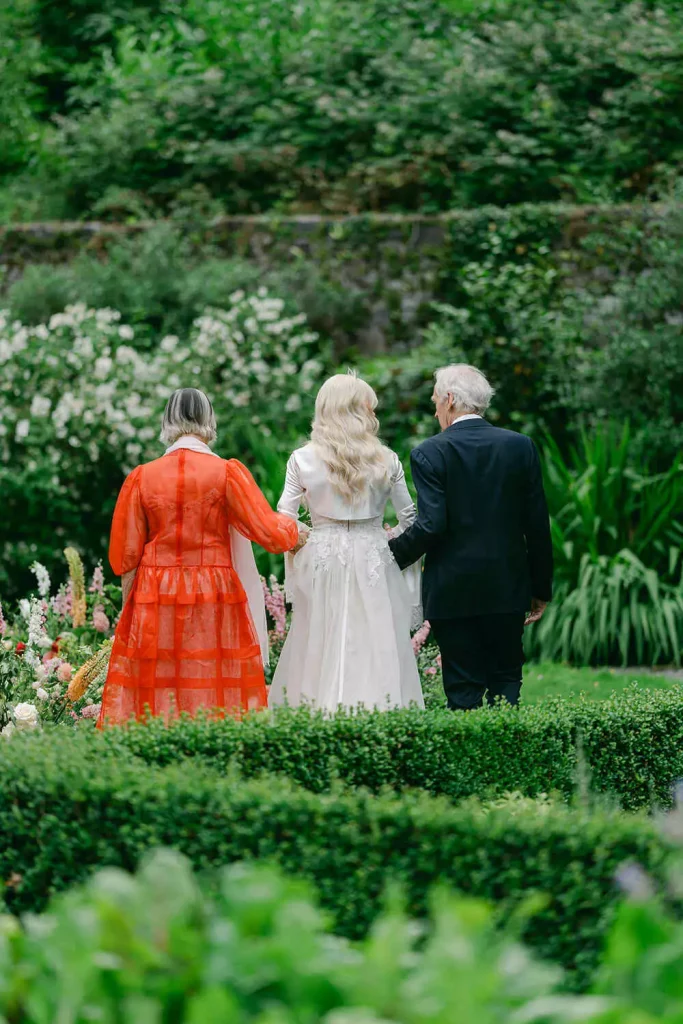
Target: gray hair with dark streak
pixel 188 411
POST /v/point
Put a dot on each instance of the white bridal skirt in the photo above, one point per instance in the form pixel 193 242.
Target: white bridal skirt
pixel 349 640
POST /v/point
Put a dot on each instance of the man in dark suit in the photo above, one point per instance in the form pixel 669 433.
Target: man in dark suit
pixel 483 526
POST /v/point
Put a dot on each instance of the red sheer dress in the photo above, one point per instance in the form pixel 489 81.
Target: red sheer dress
pixel 186 639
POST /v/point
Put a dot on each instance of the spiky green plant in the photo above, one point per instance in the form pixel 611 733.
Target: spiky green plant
pixel 619 612
pixel 601 503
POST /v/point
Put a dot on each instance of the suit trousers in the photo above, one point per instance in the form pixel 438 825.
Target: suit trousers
pixel 481 656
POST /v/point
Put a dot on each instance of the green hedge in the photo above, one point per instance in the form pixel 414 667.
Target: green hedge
pixel 629 746
pixel 69 804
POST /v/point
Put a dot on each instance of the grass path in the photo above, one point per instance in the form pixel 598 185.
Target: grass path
pixel 546 679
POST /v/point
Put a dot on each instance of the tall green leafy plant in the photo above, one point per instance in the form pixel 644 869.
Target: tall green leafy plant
pixel 619 612
pixel 601 503
pixel 617 533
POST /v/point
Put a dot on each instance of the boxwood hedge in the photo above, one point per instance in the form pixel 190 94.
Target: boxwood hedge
pixel 70 804
pixel 630 746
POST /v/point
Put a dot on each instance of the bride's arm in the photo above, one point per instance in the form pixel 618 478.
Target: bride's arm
pixel 404 506
pixel 292 498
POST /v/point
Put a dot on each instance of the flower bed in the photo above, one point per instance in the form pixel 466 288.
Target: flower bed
pixel 54 649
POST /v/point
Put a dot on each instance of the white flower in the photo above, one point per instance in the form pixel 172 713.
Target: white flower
pixel 42 694
pixel 126 332
pixel 26 716
pixel 103 366
pixel 25 607
pixel 40 406
pixel 42 578
pixel 22 429
pixel 8 730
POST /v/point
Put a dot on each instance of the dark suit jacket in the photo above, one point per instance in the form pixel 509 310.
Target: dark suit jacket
pixel 482 522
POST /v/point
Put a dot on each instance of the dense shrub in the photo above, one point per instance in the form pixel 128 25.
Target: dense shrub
pixel 69 803
pixel 417 105
pixel 630 747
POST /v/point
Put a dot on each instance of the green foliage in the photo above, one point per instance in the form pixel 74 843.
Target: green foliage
pixel 576 321
pixel 600 498
pixel 254 947
pixel 252 944
pixel 617 530
pixel 346 106
pixel 630 744
pixel 619 612
pixel 162 278
pixel 71 802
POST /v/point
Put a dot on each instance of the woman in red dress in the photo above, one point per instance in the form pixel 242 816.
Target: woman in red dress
pixel 188 638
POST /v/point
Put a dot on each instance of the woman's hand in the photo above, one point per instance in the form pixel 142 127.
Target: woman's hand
pixel 303 538
pixel 127 581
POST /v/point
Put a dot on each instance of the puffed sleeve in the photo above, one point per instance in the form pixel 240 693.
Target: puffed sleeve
pixel 293 494
pixel 129 527
pixel 250 513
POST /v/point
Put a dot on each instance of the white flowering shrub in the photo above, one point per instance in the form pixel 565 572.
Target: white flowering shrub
pixel 80 406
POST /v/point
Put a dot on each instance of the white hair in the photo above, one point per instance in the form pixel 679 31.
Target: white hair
pixel 188 411
pixel 468 388
pixel 345 432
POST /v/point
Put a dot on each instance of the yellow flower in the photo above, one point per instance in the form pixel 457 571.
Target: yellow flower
pixel 89 672
pixel 77 578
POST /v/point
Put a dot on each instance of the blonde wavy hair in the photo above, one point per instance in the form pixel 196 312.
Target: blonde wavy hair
pixel 345 431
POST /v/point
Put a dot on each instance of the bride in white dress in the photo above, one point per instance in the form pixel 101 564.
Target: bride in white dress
pixel 349 641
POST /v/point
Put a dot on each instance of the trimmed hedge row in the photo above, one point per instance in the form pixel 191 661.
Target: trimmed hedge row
pixel 630 746
pixel 70 804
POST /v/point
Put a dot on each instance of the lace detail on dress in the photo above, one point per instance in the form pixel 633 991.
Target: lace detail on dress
pixel 336 541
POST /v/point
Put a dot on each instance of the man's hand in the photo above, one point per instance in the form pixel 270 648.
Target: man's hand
pixel 537 609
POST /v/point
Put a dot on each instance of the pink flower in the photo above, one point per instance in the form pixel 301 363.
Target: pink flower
pixel 99 619
pixel 64 672
pixel 274 597
pixel 97 585
pixel 431 671
pixel 91 711
pixel 419 639
pixel 51 660
pixel 61 602
pixel 438 661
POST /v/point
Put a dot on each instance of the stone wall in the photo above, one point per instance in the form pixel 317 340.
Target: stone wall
pixel 398 264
